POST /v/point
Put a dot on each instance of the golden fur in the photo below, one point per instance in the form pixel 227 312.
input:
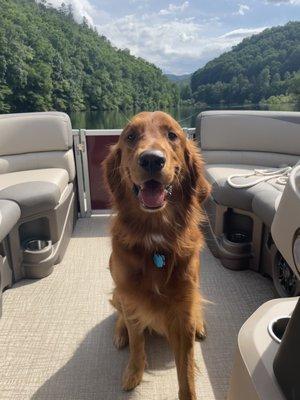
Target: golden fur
pixel 166 300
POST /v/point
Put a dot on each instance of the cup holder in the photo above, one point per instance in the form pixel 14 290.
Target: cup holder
pixel 277 327
pixel 36 250
pixel 238 237
pixel 36 245
pixel 37 262
pixel 238 243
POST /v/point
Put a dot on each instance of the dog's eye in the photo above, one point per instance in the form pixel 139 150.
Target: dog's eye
pixel 172 136
pixel 131 137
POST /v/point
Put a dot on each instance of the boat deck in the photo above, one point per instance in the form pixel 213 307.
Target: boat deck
pixel 56 333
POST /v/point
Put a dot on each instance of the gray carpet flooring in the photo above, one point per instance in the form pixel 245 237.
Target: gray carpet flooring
pixel 56 333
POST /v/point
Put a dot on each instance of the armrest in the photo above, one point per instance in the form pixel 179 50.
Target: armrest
pixel 9 215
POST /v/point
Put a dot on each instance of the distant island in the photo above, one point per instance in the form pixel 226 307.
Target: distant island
pixel 264 68
pixel 48 61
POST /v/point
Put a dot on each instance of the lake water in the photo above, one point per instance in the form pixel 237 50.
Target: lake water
pixel 185 115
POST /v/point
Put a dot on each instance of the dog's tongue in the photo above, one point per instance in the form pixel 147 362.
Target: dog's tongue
pixel 152 194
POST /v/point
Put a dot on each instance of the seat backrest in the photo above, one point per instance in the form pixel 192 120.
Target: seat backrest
pixel 269 138
pixel 36 140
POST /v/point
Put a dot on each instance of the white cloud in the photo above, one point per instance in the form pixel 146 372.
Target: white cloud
pixel 243 8
pixel 173 8
pixel 81 8
pixel 279 2
pixel 177 46
pixel 240 34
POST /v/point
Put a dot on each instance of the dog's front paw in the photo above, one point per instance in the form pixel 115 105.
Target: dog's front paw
pixel 201 331
pixel 132 377
pixel 120 339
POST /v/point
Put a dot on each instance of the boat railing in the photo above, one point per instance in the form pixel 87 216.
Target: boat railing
pixel 90 149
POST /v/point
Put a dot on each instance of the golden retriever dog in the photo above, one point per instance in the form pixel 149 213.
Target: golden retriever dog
pixel 156 180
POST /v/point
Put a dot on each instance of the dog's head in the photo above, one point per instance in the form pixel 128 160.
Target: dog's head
pixel 154 163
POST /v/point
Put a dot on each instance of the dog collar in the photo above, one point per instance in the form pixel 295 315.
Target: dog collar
pixel 159 260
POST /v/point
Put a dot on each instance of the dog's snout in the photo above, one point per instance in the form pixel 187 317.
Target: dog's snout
pixel 152 161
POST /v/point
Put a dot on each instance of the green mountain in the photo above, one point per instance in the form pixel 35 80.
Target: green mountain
pixel 261 66
pixel 179 79
pixel 48 61
pixel 184 84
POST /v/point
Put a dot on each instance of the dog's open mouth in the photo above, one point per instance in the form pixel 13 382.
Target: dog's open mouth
pixel 152 194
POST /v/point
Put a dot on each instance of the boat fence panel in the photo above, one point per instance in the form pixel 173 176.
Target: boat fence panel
pixel 91 146
pixel 97 144
pixel 190 132
pixel 86 175
pixel 82 172
pixel 79 172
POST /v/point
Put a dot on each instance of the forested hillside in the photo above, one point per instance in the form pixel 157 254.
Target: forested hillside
pixel 48 61
pixel 261 66
pixel 179 78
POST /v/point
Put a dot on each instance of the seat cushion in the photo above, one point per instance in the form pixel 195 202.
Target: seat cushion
pixel 35 132
pixel 34 191
pixel 226 195
pixel 240 130
pixel 242 198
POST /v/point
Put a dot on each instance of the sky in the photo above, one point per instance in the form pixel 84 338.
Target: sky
pixel 181 36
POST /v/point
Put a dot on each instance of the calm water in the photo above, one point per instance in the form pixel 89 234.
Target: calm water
pixel 186 115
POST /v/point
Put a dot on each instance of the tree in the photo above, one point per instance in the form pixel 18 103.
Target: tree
pixel 294 86
pixel 258 67
pixel 185 92
pixel 48 61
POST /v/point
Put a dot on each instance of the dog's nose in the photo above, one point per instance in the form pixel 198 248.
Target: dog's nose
pixel 152 161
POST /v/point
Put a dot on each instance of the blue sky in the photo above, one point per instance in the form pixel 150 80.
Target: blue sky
pixel 180 36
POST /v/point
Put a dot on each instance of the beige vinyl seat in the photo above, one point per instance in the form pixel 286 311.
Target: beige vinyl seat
pixel 267 362
pixel 37 172
pixel 244 199
pixel 34 191
pixel 253 374
pixel 237 142
pixel 234 143
pixel 262 199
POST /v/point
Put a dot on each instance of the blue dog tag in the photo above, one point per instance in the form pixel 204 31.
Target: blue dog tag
pixel 159 260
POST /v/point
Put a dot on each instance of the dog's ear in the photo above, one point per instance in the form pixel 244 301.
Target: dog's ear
pixel 195 166
pixel 111 169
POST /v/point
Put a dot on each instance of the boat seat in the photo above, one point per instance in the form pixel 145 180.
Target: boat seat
pixel 34 191
pixel 226 195
pixel 37 173
pixel 262 199
pixel 235 142
pixel 253 374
